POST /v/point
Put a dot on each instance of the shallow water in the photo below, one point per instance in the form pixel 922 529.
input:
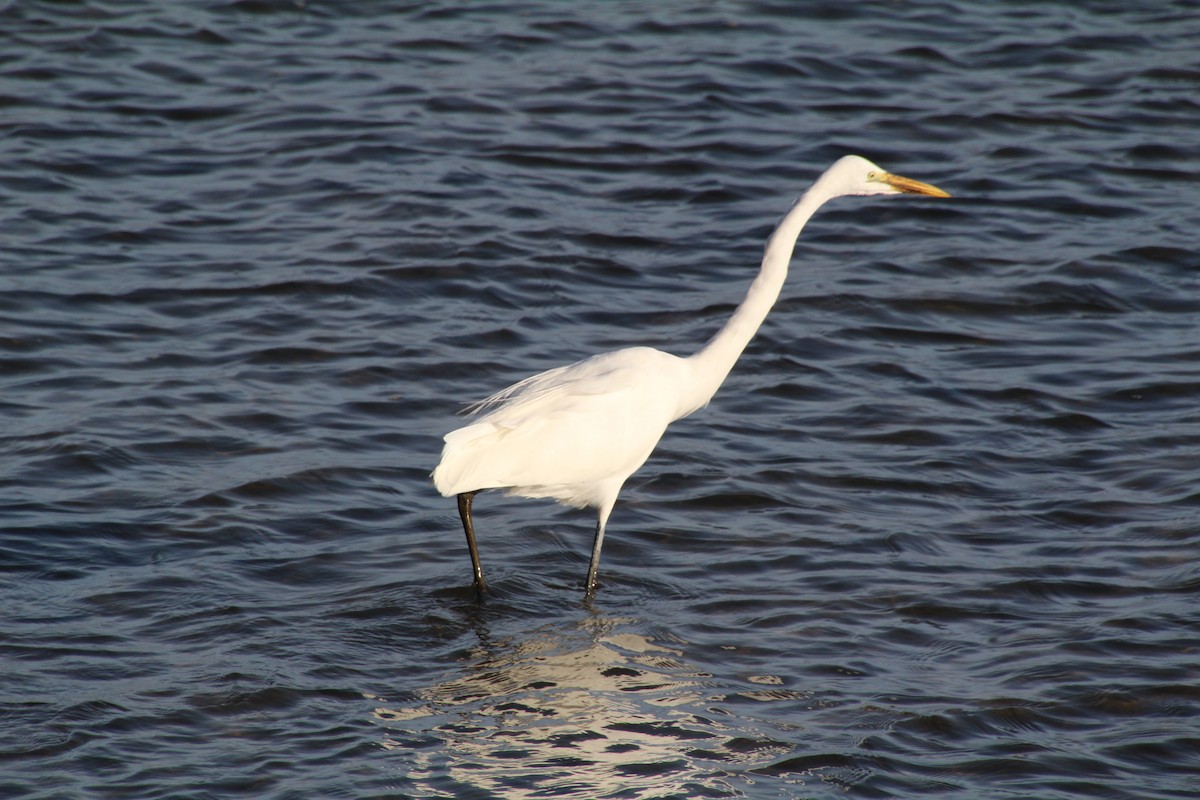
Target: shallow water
pixel 936 536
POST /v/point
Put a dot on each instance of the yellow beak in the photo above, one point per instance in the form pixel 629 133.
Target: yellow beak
pixel 909 186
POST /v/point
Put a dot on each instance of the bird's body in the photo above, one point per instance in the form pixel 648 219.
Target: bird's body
pixel 576 433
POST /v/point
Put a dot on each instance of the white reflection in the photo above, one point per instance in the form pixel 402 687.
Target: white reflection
pixel 589 712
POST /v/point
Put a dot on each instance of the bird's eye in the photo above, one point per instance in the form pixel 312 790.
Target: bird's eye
pixel 872 176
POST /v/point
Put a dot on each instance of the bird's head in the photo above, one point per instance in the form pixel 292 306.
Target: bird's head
pixel 855 175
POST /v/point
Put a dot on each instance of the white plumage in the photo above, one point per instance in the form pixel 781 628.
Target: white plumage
pixel 568 433
pixel 576 433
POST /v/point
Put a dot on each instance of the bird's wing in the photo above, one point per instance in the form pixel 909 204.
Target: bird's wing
pixel 531 388
pixel 605 373
pixel 565 432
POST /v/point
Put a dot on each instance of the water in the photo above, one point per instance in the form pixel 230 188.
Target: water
pixel 936 537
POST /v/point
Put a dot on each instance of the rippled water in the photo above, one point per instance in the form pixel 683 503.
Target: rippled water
pixel 936 537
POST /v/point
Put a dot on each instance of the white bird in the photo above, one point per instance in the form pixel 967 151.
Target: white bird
pixel 576 433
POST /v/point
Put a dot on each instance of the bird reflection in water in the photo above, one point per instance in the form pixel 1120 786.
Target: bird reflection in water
pixel 589 712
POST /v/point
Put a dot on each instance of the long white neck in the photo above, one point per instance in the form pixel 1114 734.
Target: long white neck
pixel 712 363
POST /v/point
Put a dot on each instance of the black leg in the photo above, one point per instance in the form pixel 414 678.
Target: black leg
pixel 589 588
pixel 464 511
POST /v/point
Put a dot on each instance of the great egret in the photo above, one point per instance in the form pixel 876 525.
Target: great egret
pixel 576 433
